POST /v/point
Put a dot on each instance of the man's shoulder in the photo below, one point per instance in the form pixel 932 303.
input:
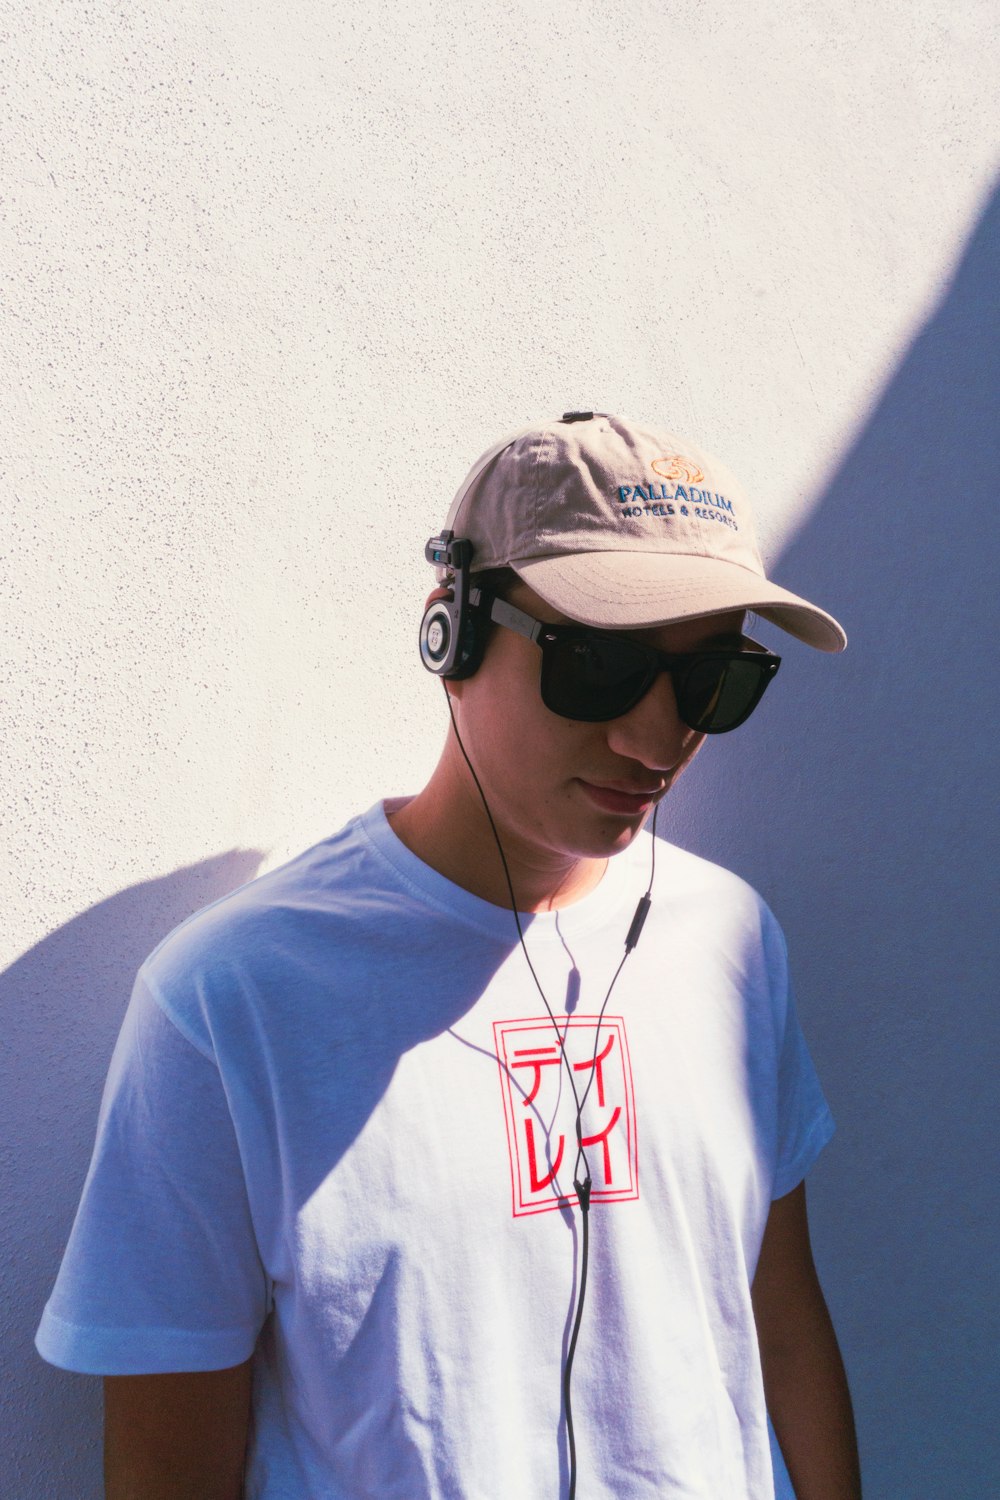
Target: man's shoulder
pixel 274 927
pixel 699 892
pixel 681 872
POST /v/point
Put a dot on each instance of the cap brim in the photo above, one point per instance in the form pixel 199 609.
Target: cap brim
pixel 627 590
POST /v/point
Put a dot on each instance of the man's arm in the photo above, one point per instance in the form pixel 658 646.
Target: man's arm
pixel 804 1380
pixel 172 1437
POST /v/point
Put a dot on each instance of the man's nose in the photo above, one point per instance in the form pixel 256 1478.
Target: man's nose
pixel 653 732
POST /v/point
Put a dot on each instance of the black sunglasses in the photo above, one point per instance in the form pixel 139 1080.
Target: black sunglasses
pixel 593 675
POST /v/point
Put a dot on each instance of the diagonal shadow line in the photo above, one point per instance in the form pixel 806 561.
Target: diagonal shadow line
pixel 862 804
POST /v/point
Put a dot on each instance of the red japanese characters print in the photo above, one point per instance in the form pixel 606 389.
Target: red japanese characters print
pixel 540 1110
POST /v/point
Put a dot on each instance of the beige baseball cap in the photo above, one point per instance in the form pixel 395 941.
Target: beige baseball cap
pixel 619 525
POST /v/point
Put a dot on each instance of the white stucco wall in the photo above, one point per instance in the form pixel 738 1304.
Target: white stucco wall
pixel 272 277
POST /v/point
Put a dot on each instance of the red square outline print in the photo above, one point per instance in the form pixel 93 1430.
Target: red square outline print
pixel 540 1114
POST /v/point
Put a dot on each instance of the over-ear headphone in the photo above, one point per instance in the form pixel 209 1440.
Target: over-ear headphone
pixel 453 631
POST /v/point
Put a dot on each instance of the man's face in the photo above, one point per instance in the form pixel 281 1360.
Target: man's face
pixel 561 788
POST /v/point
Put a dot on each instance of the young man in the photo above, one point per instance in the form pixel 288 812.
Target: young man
pixel 400 1194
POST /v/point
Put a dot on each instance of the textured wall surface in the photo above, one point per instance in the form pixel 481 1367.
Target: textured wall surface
pixel 272 278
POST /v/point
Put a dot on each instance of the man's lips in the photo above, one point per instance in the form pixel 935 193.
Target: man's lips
pixel 617 800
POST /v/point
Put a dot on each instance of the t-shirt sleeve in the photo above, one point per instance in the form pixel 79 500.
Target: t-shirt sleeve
pixel 162 1270
pixel 805 1123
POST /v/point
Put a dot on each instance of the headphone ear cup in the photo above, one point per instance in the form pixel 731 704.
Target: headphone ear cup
pixel 452 647
pixel 437 637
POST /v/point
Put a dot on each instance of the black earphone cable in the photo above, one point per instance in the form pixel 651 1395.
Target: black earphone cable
pixel 513 907
pixel 582 1183
pixel 630 942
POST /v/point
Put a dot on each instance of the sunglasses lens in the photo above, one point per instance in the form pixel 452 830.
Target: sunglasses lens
pixel 717 694
pixel 593 678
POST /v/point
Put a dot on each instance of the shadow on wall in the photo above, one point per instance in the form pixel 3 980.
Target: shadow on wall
pixel 871 824
pixel 69 995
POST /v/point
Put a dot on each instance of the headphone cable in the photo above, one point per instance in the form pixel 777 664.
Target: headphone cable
pixel 583 1183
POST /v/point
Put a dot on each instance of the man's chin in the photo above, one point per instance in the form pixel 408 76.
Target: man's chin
pixel 615 839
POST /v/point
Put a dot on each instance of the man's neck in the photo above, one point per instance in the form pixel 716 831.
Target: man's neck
pixel 469 858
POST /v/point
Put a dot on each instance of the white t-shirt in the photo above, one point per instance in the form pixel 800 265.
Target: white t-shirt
pixel 335 1130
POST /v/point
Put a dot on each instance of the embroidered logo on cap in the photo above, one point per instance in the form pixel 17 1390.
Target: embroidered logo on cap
pixel 676 467
pixel 660 501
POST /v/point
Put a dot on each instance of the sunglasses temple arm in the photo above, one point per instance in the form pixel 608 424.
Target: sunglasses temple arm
pixel 502 613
